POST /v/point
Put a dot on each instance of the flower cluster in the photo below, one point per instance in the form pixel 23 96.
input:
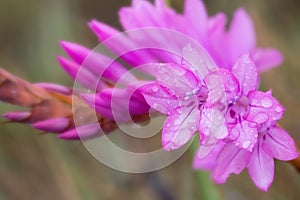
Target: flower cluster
pixel 236 122
pixel 214 93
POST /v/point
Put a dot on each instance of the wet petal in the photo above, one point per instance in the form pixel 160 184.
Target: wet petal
pixel 261 168
pixel 212 123
pixel 263 107
pixel 222 86
pixel 160 97
pixel 178 79
pixel 247 135
pixel 245 71
pixel 179 127
pixel 198 60
pixel 279 144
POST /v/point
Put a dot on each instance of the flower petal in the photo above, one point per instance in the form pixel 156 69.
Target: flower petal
pixel 177 78
pixel 266 59
pixel 54 125
pixel 179 127
pixel 263 107
pixel 247 135
pixel 231 159
pixel 82 132
pixel 81 74
pixel 222 86
pixel 198 60
pixel 121 44
pixel 196 15
pixel 160 97
pixel 279 144
pixel 212 123
pixel 245 71
pixel 241 35
pixel 98 64
pixel 261 168
pixel 209 161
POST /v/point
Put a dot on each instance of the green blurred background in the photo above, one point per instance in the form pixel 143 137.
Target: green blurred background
pixel 34 166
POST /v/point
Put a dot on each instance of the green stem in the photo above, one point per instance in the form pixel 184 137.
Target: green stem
pixel 168 2
pixel 206 188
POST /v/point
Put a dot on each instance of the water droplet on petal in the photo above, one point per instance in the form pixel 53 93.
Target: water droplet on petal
pixel 267 102
pixel 261 117
pixel 154 89
pixel 278 109
pixel 246 144
pixel 196 90
pixel 186 98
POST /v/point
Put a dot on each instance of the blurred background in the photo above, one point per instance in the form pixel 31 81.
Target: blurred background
pixel 35 166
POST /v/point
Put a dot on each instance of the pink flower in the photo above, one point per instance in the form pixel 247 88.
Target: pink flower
pixel 225 46
pixel 210 32
pixel 235 121
pixel 226 158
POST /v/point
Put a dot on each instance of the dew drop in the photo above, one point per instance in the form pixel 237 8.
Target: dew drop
pixel 267 102
pixel 154 89
pixel 278 109
pixel 186 98
pixel 261 117
pixel 196 90
pixel 246 144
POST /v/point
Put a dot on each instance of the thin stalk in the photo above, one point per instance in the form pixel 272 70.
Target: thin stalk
pixel 206 188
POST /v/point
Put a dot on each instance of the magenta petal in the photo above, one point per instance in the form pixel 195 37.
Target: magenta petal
pixel 261 168
pixel 266 59
pixel 241 35
pixel 103 31
pixel 179 127
pixel 198 60
pixel 209 161
pixel 98 64
pixel 212 123
pixel 231 159
pixel 279 144
pixel 55 88
pixel 17 116
pixel 263 107
pixel 160 98
pixel 178 79
pixel 245 71
pixel 121 44
pixel 247 135
pixel 55 125
pixel 82 132
pixel 139 15
pixel 196 15
pixel 222 86
pixel 216 88
pixel 81 74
